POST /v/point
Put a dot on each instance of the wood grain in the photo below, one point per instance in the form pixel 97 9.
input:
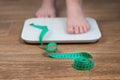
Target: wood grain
pixel 22 61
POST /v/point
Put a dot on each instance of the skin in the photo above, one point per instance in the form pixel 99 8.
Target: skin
pixel 47 10
pixel 76 20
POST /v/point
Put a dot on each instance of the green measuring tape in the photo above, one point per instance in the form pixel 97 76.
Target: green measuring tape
pixel 82 60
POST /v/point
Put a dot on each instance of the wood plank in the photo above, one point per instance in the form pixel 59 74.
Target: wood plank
pixel 22 61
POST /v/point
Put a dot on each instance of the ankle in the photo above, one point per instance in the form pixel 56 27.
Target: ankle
pixel 74 7
pixel 48 3
pixel 74 2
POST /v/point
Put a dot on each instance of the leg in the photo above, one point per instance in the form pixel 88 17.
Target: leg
pixel 76 20
pixel 47 9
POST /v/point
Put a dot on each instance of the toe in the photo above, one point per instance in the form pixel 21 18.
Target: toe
pixel 76 29
pixel 37 15
pixel 40 15
pixel 46 16
pixel 85 29
pixel 70 30
pixel 81 29
pixel 51 15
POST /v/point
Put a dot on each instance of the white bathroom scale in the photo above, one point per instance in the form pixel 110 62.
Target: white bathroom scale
pixel 57 31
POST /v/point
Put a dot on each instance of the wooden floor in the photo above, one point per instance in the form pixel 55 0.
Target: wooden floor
pixel 21 61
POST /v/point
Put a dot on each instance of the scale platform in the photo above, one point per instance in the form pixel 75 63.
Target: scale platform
pixel 57 31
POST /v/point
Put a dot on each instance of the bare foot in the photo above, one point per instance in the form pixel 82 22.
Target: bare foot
pixel 76 21
pixel 47 10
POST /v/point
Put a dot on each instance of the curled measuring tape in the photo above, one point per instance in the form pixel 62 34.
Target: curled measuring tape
pixel 82 60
